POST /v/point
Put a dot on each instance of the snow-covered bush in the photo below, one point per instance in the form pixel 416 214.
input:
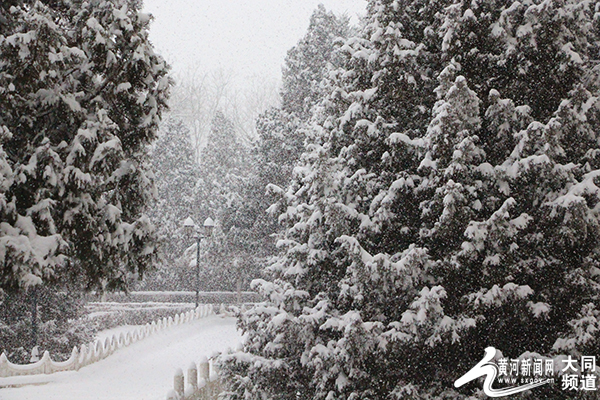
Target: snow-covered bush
pixel 112 315
pixel 61 324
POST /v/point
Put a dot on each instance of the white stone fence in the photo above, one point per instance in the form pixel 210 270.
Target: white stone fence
pixel 202 383
pixel 86 355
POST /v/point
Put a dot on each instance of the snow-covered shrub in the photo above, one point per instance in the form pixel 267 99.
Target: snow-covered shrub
pixel 61 324
pixel 130 315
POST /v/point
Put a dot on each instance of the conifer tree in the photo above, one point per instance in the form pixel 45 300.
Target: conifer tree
pixel 446 202
pixel 307 63
pixel 224 172
pixel 81 92
pixel 281 130
pixel 176 176
pixel 281 134
pixel 221 164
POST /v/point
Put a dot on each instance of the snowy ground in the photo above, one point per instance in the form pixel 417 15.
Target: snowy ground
pixel 142 371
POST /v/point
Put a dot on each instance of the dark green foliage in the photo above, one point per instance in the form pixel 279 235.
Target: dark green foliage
pixel 176 176
pixel 59 327
pixel 81 93
pixel 446 202
pixel 308 62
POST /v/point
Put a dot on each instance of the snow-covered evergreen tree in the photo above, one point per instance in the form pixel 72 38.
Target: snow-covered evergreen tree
pixel 224 172
pixel 268 168
pixel 446 203
pixel 81 92
pixel 307 63
pixel 176 176
pixel 281 131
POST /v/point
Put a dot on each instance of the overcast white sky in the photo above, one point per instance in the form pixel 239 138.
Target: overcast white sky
pixel 248 37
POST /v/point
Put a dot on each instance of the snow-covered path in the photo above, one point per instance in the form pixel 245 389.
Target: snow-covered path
pixel 142 371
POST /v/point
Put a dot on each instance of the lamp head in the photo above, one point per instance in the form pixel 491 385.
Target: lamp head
pixel 189 226
pixel 208 225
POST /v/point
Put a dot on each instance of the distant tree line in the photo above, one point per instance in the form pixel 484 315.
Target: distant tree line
pixel 236 181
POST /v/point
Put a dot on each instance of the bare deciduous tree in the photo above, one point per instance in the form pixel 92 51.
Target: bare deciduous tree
pixel 199 94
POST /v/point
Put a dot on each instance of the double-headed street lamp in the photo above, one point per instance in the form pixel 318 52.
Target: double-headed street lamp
pixel 198 233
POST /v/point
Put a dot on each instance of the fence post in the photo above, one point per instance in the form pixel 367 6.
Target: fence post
pixel 193 376
pixel 82 356
pixel 214 375
pixel 114 344
pixel 46 363
pixel 204 371
pixel 75 358
pixel 106 348
pixel 178 382
pixel 96 347
pixel 3 365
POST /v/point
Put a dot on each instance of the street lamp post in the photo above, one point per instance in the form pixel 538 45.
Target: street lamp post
pixel 199 234
pixel 34 318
